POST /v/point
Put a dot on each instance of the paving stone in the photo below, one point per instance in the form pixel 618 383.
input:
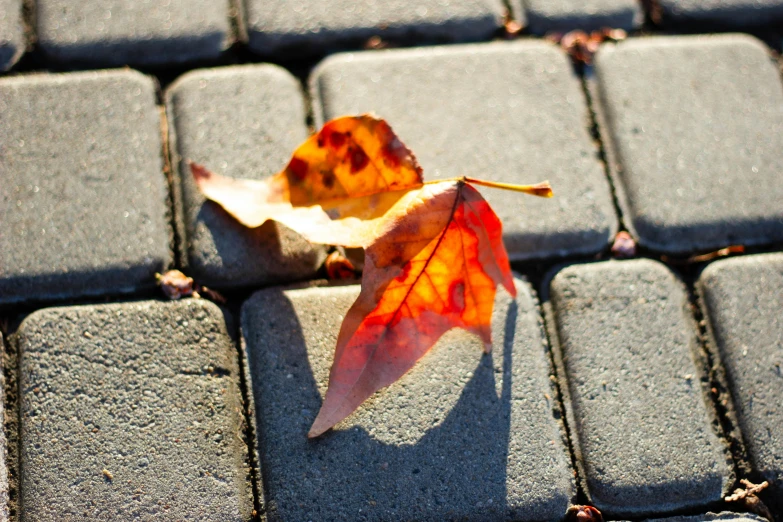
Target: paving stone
pixel 642 433
pixel 566 15
pixel 460 437
pixel 742 299
pixel 84 199
pixel 12 41
pixel 244 122
pixel 4 489
pixel 118 32
pixel 276 26
pixel 694 131
pixel 722 13
pixel 512 112
pixel 131 411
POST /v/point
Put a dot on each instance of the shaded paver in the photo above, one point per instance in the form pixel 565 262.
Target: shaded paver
pixel 131 411
pixel 83 201
pixel 637 408
pixel 118 32
pixel 511 112
pixel 694 131
pixel 461 436
pixel 565 15
pixel 743 299
pixel 280 26
pixel 12 40
pixel 722 13
pixel 243 122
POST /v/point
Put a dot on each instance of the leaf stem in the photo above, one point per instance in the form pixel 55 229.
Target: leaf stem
pixel 542 189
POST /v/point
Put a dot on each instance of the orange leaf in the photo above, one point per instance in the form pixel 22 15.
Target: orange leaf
pixel 436 267
pixel 353 170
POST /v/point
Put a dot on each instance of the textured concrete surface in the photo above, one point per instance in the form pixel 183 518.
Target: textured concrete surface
pixel 566 15
pixel 243 122
pixel 694 131
pixel 511 112
pixel 712 517
pixel 641 430
pixel 12 41
pixel 723 13
pixel 280 26
pixel 462 436
pixel 4 486
pixel 83 200
pixel 742 300
pixel 131 411
pixel 118 32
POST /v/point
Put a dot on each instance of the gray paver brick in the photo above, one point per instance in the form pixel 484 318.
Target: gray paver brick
pixel 743 299
pixel 694 131
pixel 12 40
pixel 276 26
pixel 243 122
pixel 147 391
pixel 84 199
pixel 4 489
pixel 118 32
pixel 723 13
pixel 565 15
pixel 637 410
pixel 512 112
pixel 461 436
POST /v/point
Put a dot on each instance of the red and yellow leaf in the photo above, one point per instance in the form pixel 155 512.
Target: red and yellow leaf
pixel 349 173
pixel 437 267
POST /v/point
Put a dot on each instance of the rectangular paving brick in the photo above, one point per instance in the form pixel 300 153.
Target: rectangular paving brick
pixel 742 299
pixel 243 122
pixel 12 40
pixel 694 131
pixel 460 437
pixel 566 15
pixel 722 13
pixel 626 342
pixel 280 26
pixel 84 202
pixel 131 412
pixel 511 112
pixel 118 32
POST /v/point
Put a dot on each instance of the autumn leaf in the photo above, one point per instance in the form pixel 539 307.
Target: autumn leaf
pixel 336 188
pixel 435 269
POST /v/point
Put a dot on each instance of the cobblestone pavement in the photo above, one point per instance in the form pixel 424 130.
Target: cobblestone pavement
pixel 646 387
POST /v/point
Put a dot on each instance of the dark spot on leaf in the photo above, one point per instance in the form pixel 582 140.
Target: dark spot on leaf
pixel 298 168
pixel 329 178
pixel 358 158
pixel 337 139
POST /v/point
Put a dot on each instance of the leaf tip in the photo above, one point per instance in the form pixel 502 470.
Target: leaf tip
pixel 543 189
pixel 199 172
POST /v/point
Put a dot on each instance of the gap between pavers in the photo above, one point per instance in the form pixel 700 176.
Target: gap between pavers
pixel 742 299
pixel 543 16
pixel 4 483
pixel 244 122
pixel 280 27
pixel 461 436
pixel 508 111
pixel 85 208
pixel 629 361
pixel 120 32
pixel 693 128
pixel 12 37
pixel 131 411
